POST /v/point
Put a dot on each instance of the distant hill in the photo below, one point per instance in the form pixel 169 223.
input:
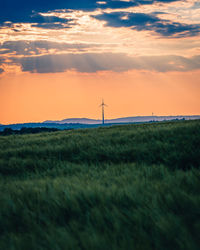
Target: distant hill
pixel 124 119
pixel 74 123
pixel 25 130
pixel 76 120
pixel 46 125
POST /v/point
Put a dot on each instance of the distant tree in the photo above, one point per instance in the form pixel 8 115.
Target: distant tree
pixel 25 130
pixel 8 131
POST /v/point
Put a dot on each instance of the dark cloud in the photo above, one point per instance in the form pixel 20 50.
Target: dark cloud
pixel 126 19
pixel 94 62
pixel 39 20
pixel 21 10
pixel 1 62
pixel 50 26
pixel 32 17
pixel 141 21
pixel 34 47
pixel 59 63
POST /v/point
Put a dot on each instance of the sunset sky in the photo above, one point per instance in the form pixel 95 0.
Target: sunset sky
pixel 58 59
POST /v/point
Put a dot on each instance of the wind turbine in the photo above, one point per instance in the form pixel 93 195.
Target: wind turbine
pixel 102 105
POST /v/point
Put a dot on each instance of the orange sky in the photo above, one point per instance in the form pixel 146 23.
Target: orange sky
pixel 38 97
pixel 59 59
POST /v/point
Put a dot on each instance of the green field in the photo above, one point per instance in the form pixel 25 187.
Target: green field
pixel 121 187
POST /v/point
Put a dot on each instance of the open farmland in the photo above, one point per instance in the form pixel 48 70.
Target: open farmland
pixel 121 187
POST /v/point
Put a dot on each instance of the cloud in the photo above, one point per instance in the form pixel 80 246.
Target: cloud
pixel 126 19
pixel 39 20
pixel 30 17
pixel 21 10
pixel 94 62
pixel 50 26
pixel 49 22
pixel 1 62
pixel 34 47
pixel 141 21
pixel 196 5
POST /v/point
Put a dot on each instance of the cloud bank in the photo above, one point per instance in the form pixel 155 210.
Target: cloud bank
pixel 80 35
pixel 94 62
pixel 141 21
pixel 21 10
pixel 41 46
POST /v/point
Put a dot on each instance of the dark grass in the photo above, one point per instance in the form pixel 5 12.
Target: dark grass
pixel 124 187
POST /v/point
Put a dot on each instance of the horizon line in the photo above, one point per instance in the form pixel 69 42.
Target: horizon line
pixel 95 119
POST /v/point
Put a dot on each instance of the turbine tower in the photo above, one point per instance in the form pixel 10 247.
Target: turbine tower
pixel 102 105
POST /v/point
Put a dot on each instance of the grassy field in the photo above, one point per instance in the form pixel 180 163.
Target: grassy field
pixel 123 187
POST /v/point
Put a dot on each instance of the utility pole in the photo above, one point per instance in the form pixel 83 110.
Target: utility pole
pixel 102 105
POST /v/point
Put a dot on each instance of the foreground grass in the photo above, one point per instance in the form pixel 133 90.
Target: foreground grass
pixel 125 187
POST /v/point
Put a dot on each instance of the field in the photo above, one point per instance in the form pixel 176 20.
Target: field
pixel 121 187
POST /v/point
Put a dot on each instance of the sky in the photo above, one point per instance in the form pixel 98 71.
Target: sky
pixel 58 59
